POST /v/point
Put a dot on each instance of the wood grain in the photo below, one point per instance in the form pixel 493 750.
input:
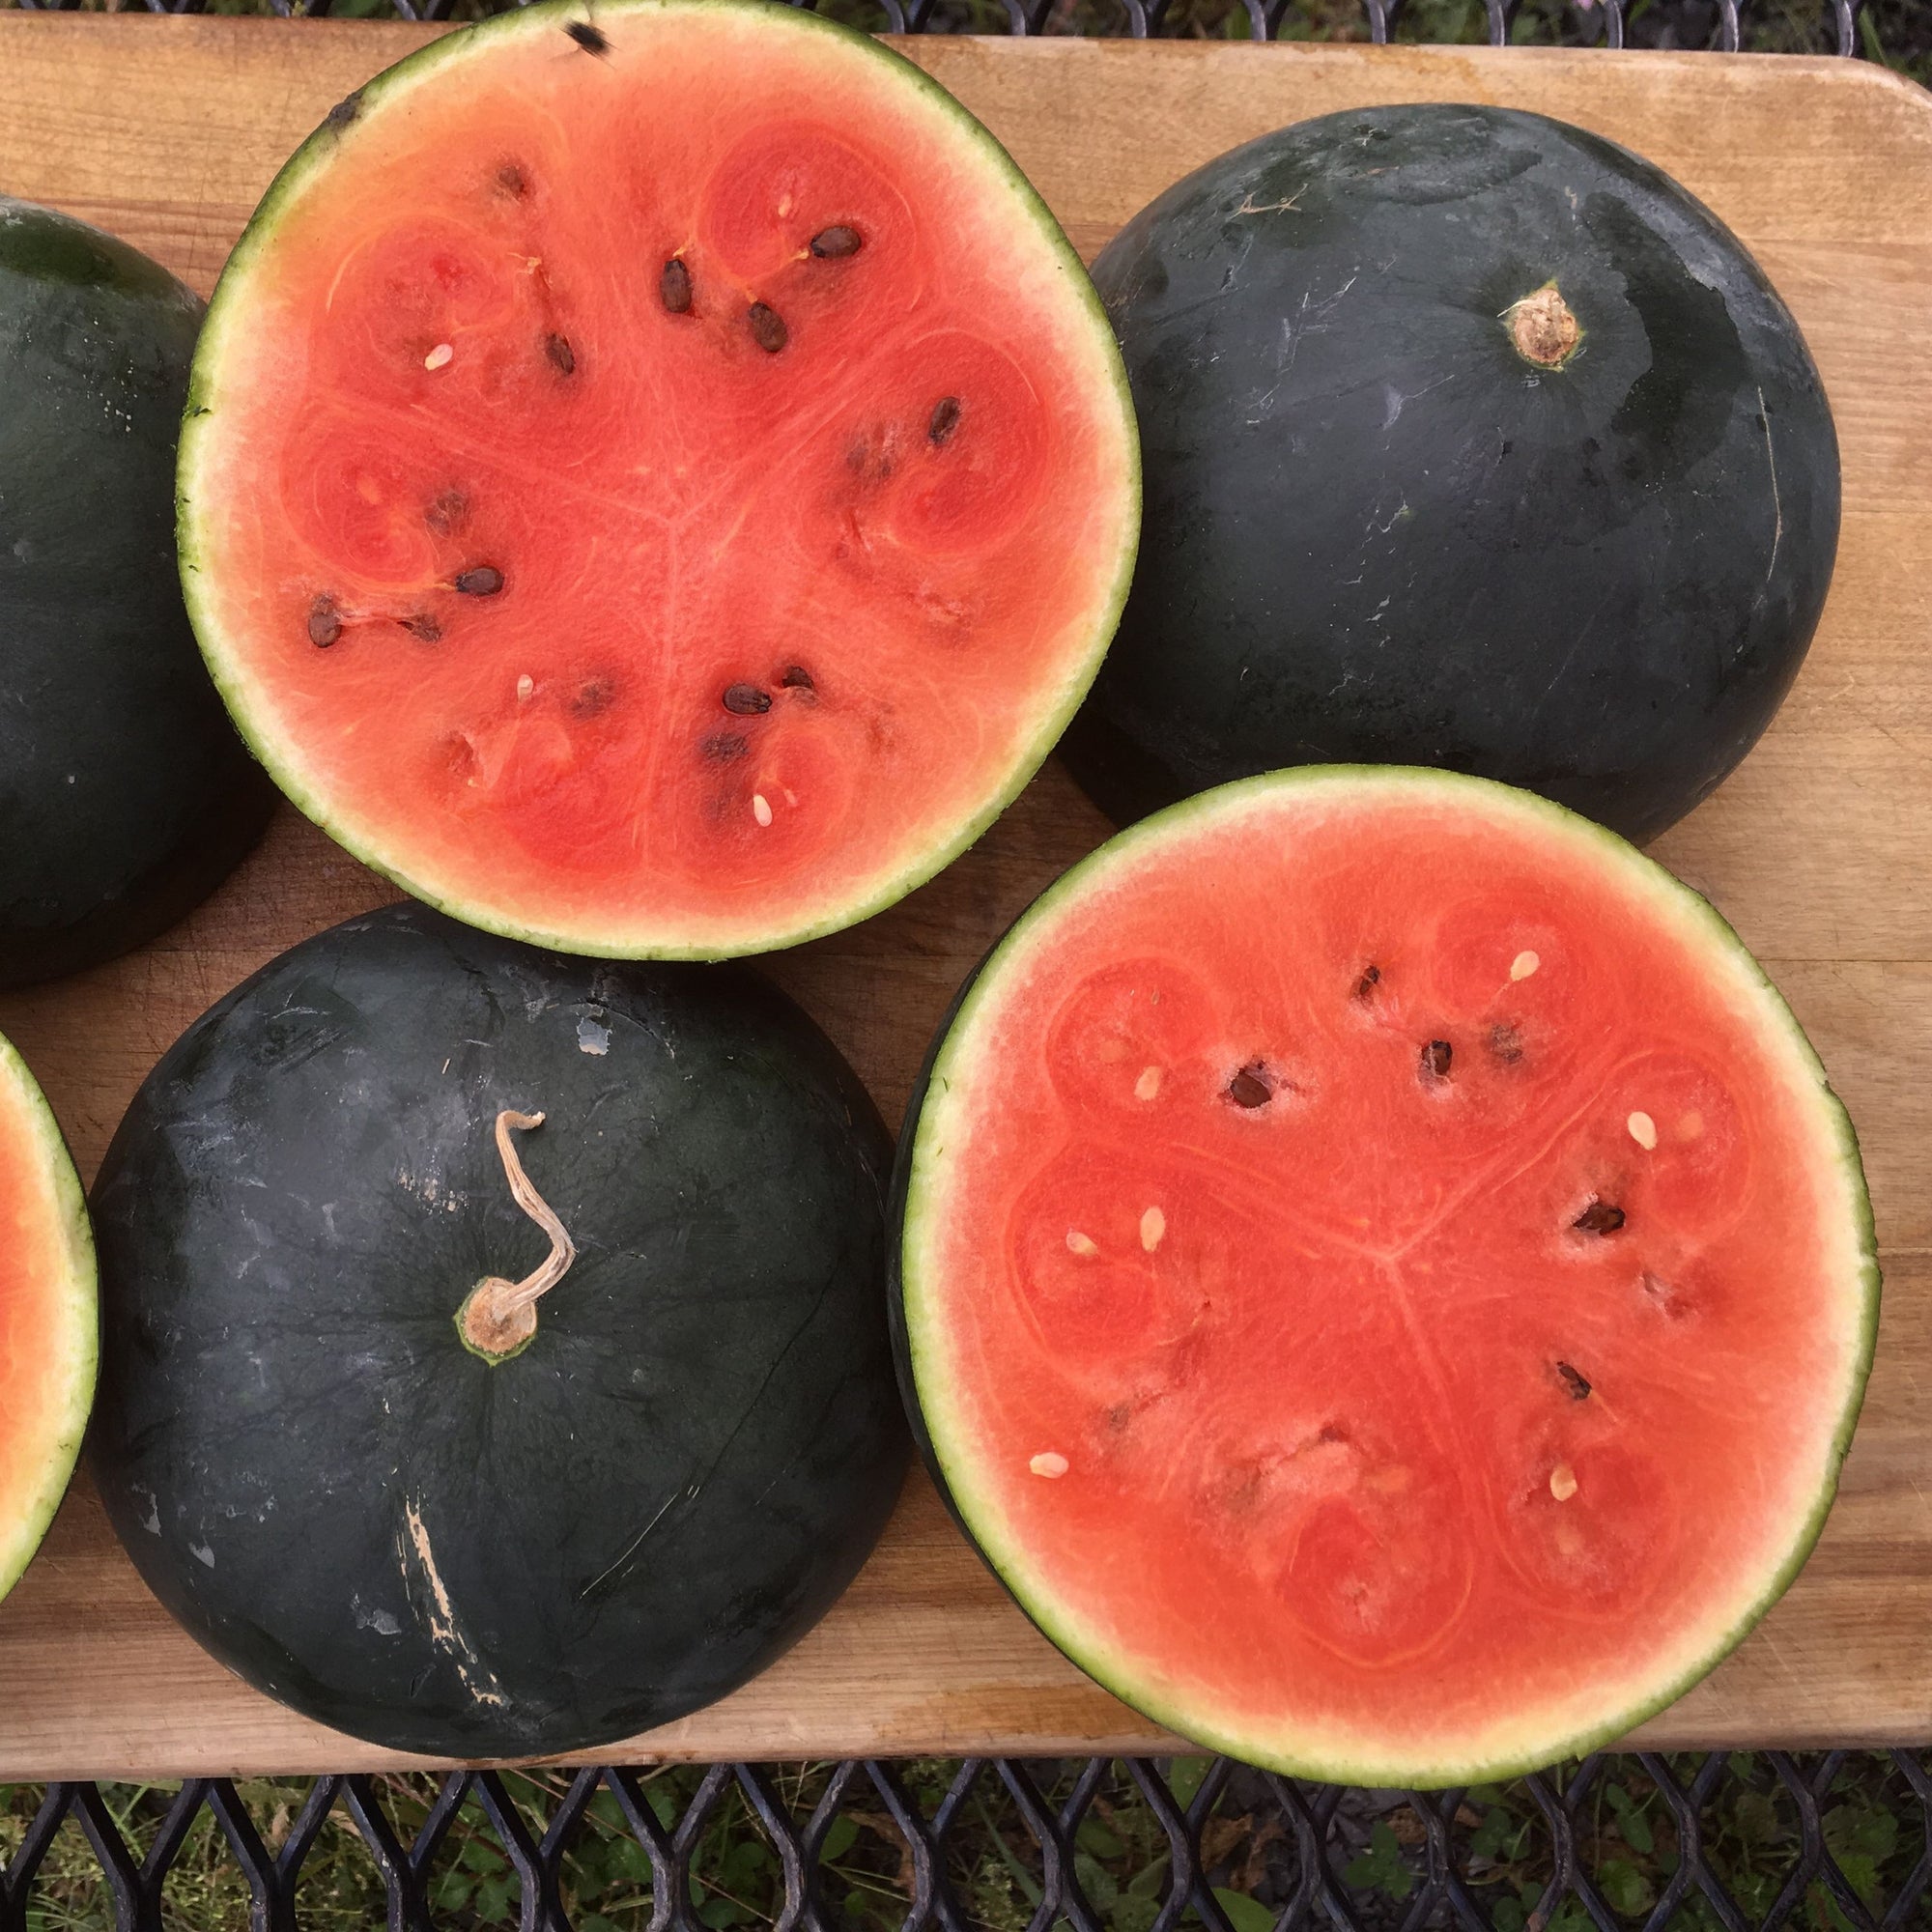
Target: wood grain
pixel 166 131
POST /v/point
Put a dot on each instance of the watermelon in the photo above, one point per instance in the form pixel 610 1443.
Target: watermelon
pixel 656 486
pixel 1382 1277
pixel 48 1317
pixel 124 795
pixel 1473 440
pixel 497 1358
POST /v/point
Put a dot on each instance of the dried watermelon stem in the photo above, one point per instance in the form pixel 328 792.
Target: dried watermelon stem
pixel 498 1318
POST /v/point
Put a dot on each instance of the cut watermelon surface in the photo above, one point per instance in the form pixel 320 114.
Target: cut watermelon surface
pixel 656 485
pixel 1384 1278
pixel 49 1320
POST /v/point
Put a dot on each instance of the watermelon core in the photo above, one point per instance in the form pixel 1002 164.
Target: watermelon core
pixel 1384 1280
pixel 657 487
pixel 48 1317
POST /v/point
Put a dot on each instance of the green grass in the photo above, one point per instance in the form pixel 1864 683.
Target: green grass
pixel 1627 1840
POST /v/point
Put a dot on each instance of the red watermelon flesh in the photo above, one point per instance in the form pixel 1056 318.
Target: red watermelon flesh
pixel 1386 1283
pixel 48 1317
pixel 659 488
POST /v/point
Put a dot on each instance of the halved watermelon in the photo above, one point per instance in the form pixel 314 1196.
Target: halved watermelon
pixel 49 1319
pixel 658 484
pixel 1384 1278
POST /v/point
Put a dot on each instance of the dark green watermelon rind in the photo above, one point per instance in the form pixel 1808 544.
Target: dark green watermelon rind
pixel 19 1543
pixel 227 309
pixel 955 1044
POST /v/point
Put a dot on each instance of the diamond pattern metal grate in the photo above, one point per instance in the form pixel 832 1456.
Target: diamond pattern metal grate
pixel 1307 1872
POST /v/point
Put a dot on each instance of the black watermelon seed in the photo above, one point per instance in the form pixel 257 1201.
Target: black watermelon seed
pixel 674 287
pixel 324 623
pixel 424 625
pixel 561 353
pixel 484 580
pixel 944 420
pixel 1579 1387
pixel 768 329
pixel 510 179
pixel 1506 1042
pixel 1249 1088
pixel 747 700
pixel 592 40
pixel 1371 978
pixel 1600 1218
pixel 1436 1057
pixel 593 696
pixel 829 243
pixel 797 678
pixel 724 746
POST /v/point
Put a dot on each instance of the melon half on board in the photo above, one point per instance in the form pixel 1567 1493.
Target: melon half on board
pixel 655 485
pixel 1382 1277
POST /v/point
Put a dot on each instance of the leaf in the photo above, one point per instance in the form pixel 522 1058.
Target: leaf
pixel 1134 1914
pixel 1754 1819
pixel 492 1901
pixel 1630 1821
pixel 718 1912
pixel 1742 1766
pixel 480 1857
pixel 1862 1873
pixel 1628 1890
pixel 1093 1836
pixel 1148 1880
pixel 1507 1915
pixel 452 1895
pixel 838 1840
pixel 1244 1913
pixel 1380 1868
pixel 1184 1776
pixel 1096 1881
pixel 1492 1835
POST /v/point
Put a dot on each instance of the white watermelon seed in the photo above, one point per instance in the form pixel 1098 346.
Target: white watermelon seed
pixel 761 809
pixel 1642 1131
pixel 1523 965
pixel 1154 1225
pixel 1563 1482
pixel 440 357
pixel 1149 1084
pixel 1048 1464
pixel 525 687
pixel 1081 1244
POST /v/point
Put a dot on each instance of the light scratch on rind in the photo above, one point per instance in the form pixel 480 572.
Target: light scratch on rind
pixel 442 1630
pixel 1777 502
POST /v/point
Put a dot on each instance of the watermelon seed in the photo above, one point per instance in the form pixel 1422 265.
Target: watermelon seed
pixel 1154 1226
pixel 424 625
pixel 440 357
pixel 527 687
pixel 1579 1387
pixel 510 179
pixel 1506 1042
pixel 747 700
pixel 1249 1088
pixel 561 353
pixel 944 421
pixel 1523 965
pixel 761 809
pixel 324 623
pixel 674 287
pixel 797 678
pixel 724 746
pixel 1368 982
pixel 1081 1244
pixel 1435 1060
pixel 768 329
pixel 592 40
pixel 1149 1084
pixel 1642 1131
pixel 1049 1464
pixel 483 580
pixel 1600 1218
pixel 447 512
pixel 829 243
pixel 1563 1482
pixel 593 697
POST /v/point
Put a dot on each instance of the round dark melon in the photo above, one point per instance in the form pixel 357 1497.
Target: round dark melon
pixel 326 1440
pixel 1472 441
pixel 125 795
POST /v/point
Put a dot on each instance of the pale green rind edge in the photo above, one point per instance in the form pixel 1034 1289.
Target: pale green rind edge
pixel 198 424
pixel 1393 1771
pixel 82 1299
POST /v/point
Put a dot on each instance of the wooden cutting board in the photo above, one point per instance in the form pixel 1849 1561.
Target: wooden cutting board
pixel 1819 850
